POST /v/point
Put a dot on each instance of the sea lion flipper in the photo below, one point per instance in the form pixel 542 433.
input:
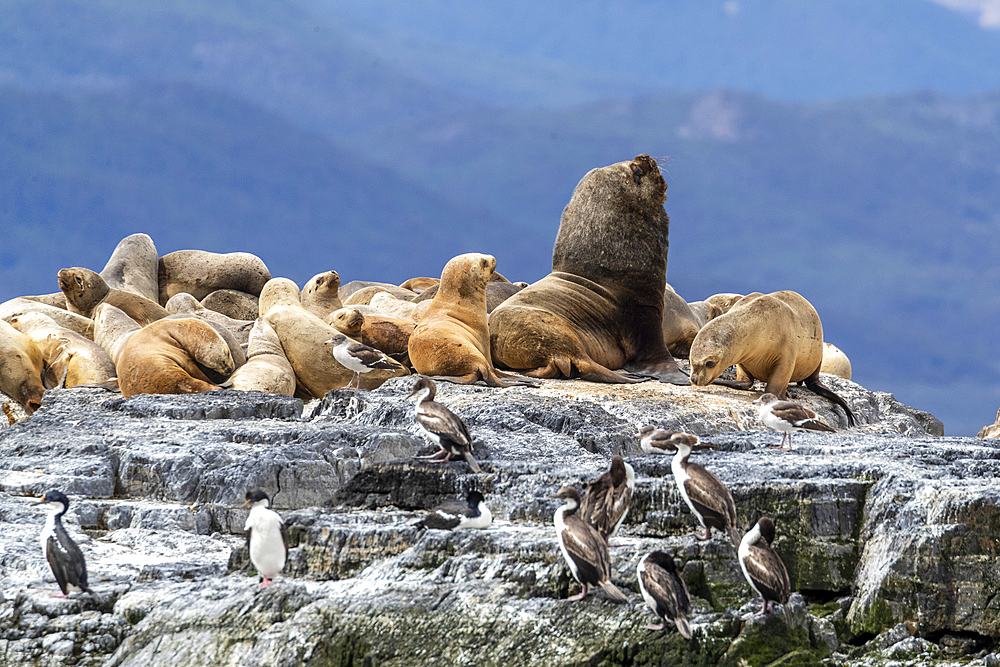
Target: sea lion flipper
pixel 668 372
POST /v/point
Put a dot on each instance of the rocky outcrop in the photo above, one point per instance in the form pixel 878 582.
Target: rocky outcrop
pixel 889 532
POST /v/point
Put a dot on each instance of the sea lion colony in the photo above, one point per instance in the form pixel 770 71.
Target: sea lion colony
pixel 605 314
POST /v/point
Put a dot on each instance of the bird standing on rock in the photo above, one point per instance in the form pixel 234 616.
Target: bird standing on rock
pixel 59 549
pixel 664 591
pixel 788 418
pixel 763 568
pixel 359 358
pixel 441 425
pixel 705 494
pixel 267 537
pixel 607 499
pixel 583 548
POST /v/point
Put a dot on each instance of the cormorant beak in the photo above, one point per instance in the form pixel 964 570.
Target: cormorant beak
pixel 42 499
pixel 704 445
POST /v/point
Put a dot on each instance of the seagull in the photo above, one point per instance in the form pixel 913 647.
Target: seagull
pixel 452 514
pixel 64 557
pixel 441 425
pixel 606 501
pixel 583 548
pixel 705 494
pixel 654 440
pixel 788 418
pixel 359 358
pixel 763 568
pixel 664 591
pixel 267 537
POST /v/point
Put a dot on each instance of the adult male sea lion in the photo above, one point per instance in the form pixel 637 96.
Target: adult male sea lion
pixel 320 295
pixel 452 340
pixel 21 367
pixel 85 289
pixel 200 272
pixel 777 338
pixel 601 308
pixel 302 336
pixel 267 368
pixel 164 358
pixel 70 358
pixel 133 267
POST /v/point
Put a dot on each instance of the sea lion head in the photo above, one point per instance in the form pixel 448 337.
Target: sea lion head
pixel 323 284
pixel 347 320
pixel 183 302
pixel 278 292
pixel 468 274
pixel 709 355
pixel 83 288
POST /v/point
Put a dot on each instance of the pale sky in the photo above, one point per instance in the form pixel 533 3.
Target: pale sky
pixel 987 10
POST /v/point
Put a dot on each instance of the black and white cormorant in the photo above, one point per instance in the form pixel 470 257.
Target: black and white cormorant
pixel 441 425
pixel 452 514
pixel 584 549
pixel 664 591
pixel 607 499
pixel 62 553
pixel 267 537
pixel 706 496
pixel 763 568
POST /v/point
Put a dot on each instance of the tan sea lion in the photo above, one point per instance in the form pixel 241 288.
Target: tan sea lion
pixel 200 272
pixel 391 306
pixel 73 321
pixel 355 285
pixel 186 305
pixel 21 368
pixel 777 338
pixel 451 340
pixel 497 291
pixel 164 357
pixel 722 302
pixel 85 289
pixel 235 347
pixel 680 323
pixel 320 295
pixel 302 336
pixel 990 430
pixel 390 335
pixel 601 308
pixel 133 267
pixel 419 284
pixel 233 303
pixel 55 299
pixel 112 328
pixel 835 362
pixel 70 358
pixel 267 368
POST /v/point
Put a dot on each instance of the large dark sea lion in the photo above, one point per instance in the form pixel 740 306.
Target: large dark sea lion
pixel 600 310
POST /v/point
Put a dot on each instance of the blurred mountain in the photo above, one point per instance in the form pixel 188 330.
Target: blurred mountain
pixel 381 139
